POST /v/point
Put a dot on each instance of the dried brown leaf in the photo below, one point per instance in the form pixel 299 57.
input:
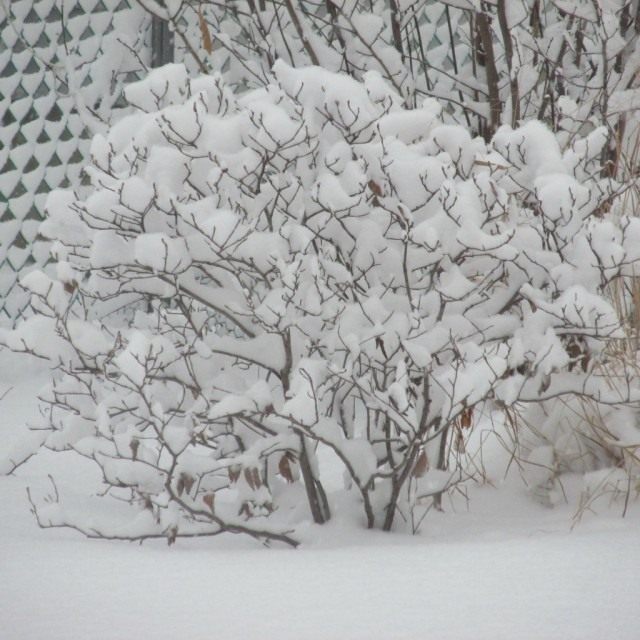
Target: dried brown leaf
pixel 252 476
pixel 187 481
pixel 466 418
pixel 70 287
pixel 207 42
pixel 209 499
pixel 421 466
pixel 284 468
pixel 376 189
pixel 234 473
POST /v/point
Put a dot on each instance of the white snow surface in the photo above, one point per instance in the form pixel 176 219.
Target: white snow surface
pixel 501 567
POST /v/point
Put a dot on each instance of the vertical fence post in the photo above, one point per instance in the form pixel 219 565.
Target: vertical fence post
pixel 161 42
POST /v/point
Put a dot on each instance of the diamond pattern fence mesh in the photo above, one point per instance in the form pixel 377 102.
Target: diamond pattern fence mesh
pixel 62 67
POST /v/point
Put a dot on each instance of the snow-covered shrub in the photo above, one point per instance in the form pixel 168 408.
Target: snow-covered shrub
pixel 570 63
pixel 579 434
pixel 319 278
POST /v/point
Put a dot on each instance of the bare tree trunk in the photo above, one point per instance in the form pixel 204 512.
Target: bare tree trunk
pixel 316 495
pixel 315 492
pixel 508 50
pixel 331 10
pixel 442 463
pixel 395 27
pixel 301 34
pixel 483 25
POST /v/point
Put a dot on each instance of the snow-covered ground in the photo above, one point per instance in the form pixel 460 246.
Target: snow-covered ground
pixel 503 567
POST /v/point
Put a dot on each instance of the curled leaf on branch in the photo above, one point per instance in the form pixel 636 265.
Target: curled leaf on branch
pixel 466 418
pixel 234 472
pixel 185 483
pixel 376 189
pixel 205 33
pixel 284 466
pixel 422 464
pixel 252 476
pixel 209 499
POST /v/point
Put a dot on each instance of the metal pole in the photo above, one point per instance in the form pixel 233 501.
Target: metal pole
pixel 161 42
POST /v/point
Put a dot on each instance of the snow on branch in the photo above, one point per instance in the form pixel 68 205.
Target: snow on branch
pixel 257 278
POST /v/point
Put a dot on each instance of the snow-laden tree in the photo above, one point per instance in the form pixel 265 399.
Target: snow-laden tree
pixel 571 63
pixel 262 287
